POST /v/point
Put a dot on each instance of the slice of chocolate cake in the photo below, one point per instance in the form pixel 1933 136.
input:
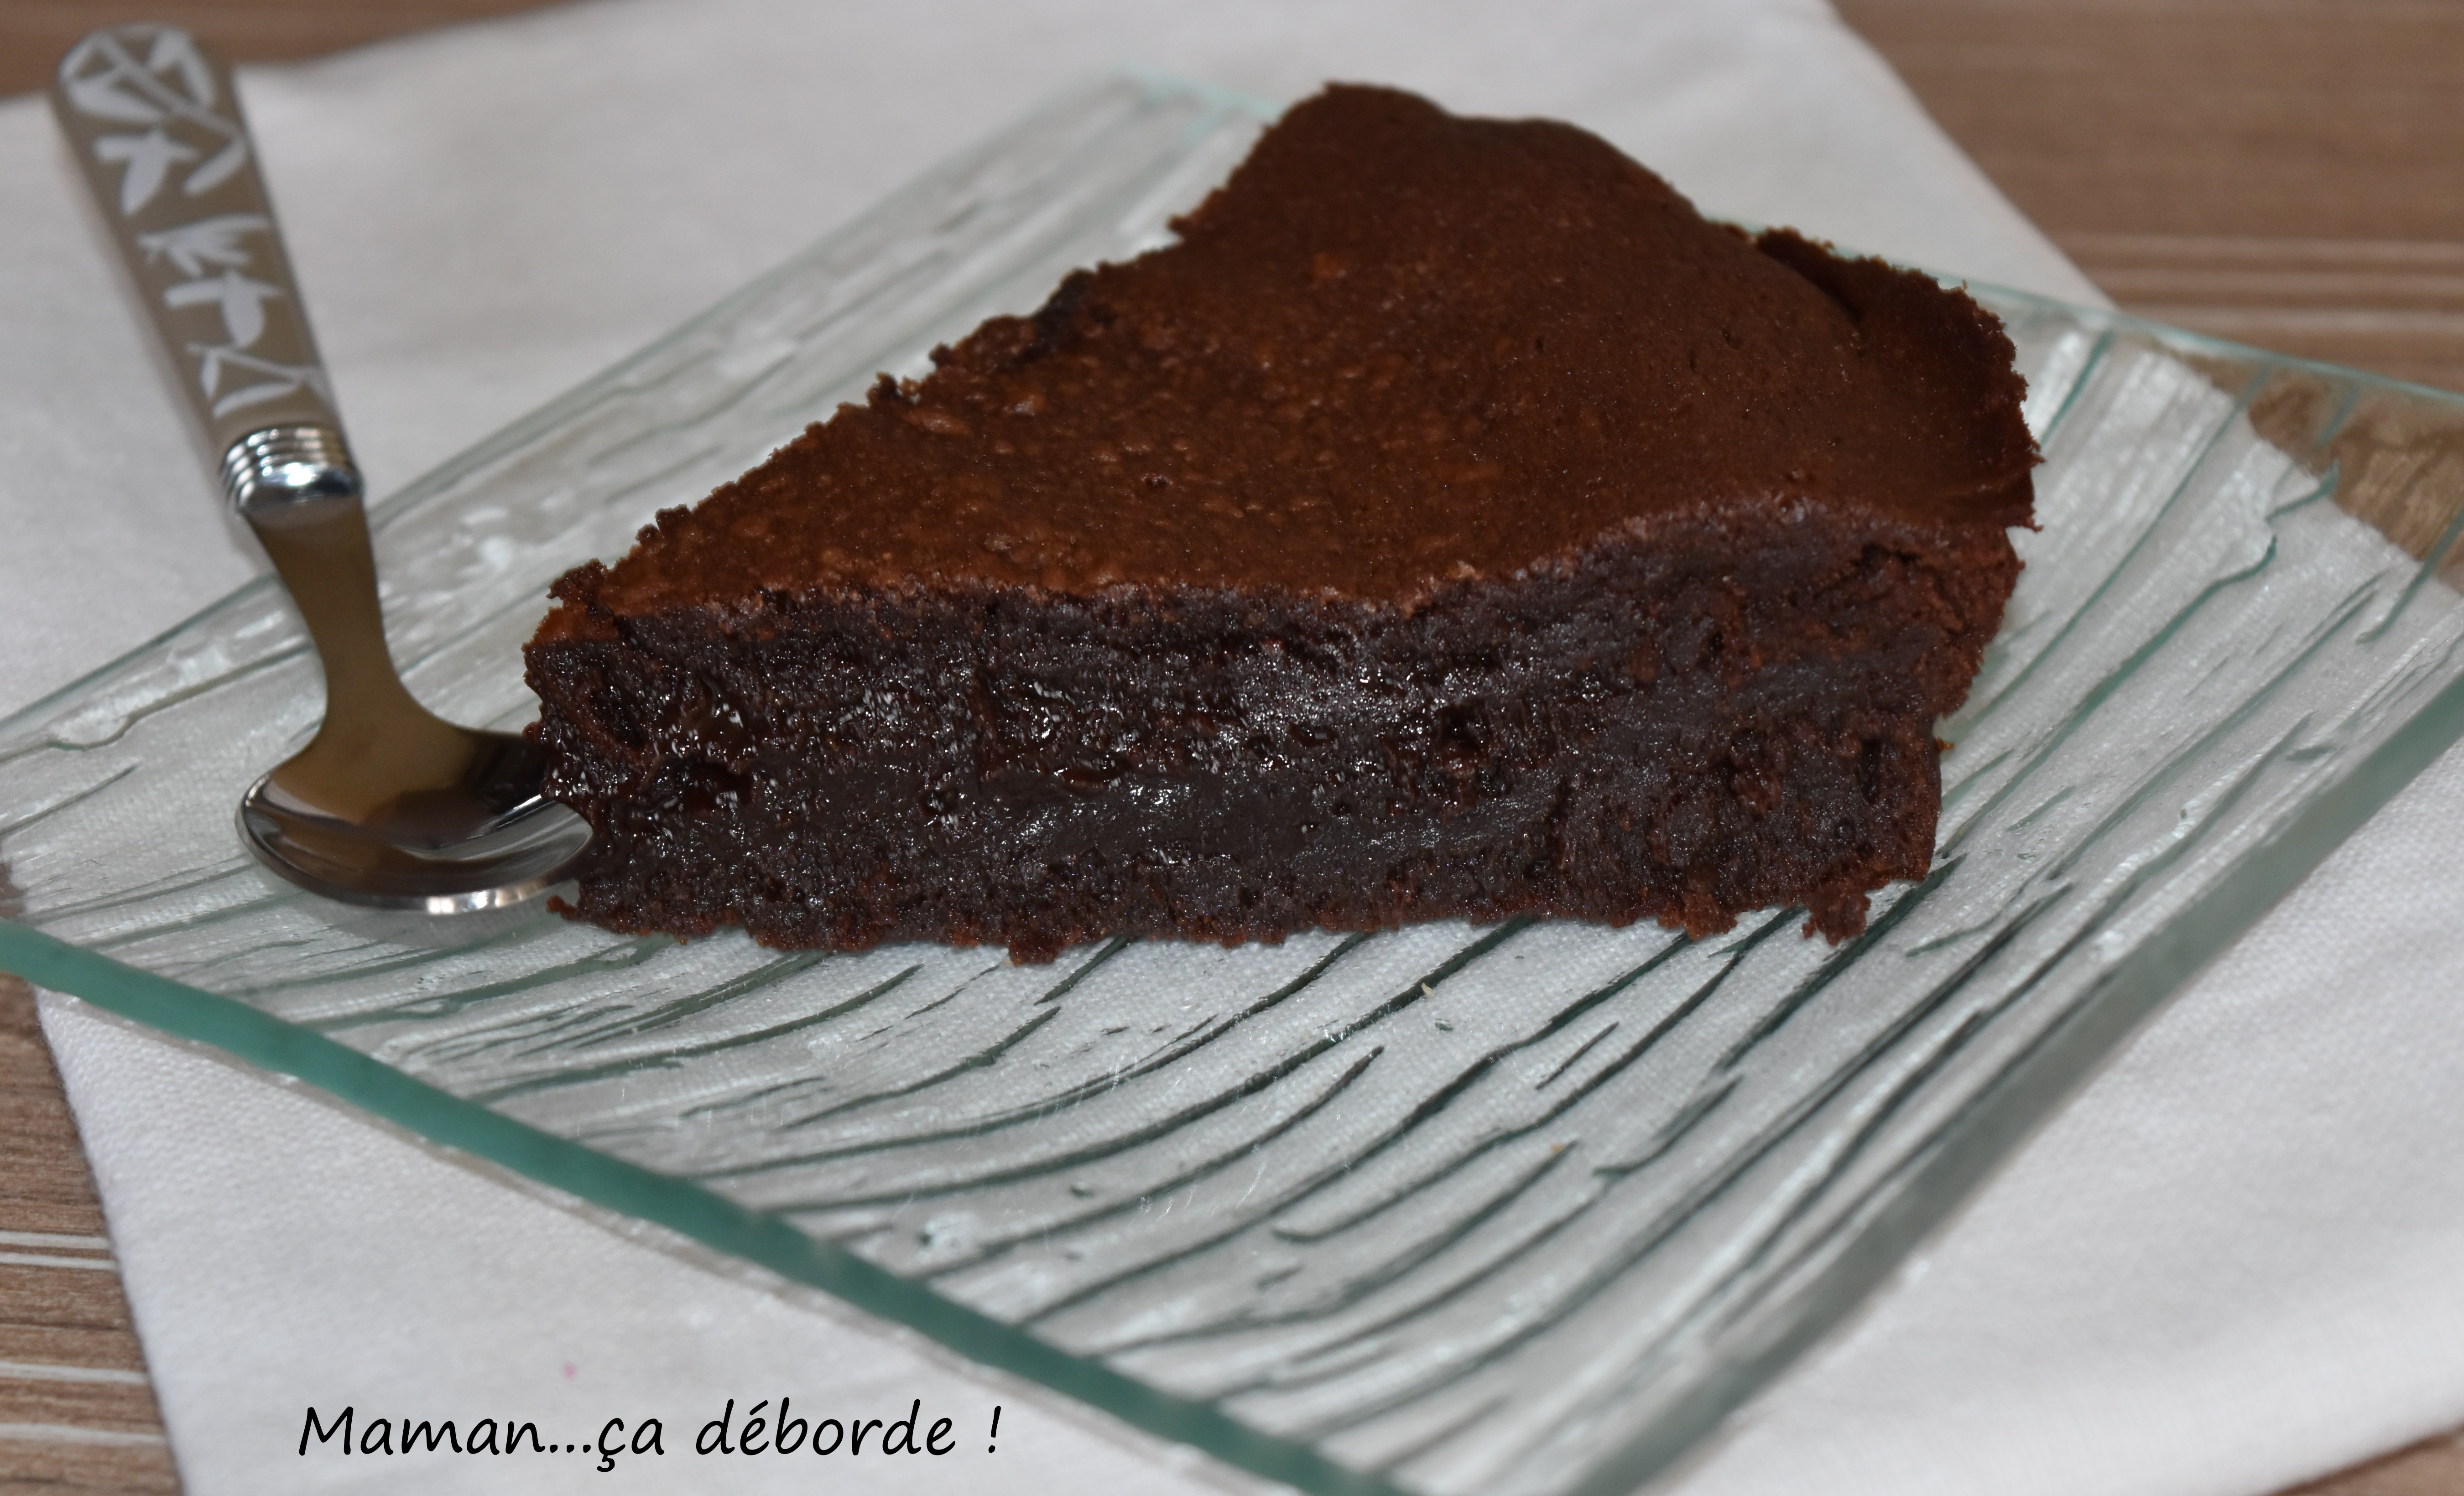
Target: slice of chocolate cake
pixel 1451 523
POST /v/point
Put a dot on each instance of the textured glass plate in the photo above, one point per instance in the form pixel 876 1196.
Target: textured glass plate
pixel 1515 1209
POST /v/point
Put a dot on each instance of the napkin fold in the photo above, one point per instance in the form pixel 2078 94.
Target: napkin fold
pixel 2226 1266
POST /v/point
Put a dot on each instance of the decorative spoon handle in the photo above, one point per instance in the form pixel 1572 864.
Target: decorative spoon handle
pixel 155 124
pixel 389 806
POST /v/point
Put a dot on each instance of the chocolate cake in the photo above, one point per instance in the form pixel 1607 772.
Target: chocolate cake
pixel 1452 522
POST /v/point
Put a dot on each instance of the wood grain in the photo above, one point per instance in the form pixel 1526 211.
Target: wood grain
pixel 33 33
pixel 2278 172
pixel 76 1411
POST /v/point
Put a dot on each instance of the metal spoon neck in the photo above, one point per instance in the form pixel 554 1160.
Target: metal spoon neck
pixel 276 466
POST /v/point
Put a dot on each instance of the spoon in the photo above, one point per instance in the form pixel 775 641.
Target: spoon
pixel 388 807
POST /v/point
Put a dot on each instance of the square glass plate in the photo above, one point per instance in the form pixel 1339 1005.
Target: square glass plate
pixel 1523 1208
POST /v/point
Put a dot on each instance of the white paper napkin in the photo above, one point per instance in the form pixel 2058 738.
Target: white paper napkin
pixel 2228 1265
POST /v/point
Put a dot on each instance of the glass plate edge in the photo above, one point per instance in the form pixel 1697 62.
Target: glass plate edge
pixel 2035 1084
pixel 231 1027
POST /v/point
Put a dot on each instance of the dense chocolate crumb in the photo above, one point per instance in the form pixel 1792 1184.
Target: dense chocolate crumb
pixel 1452 523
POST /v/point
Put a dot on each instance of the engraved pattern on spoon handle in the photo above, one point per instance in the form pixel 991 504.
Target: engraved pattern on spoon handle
pixel 154 125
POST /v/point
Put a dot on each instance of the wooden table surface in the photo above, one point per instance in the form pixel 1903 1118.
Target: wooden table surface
pixel 2288 174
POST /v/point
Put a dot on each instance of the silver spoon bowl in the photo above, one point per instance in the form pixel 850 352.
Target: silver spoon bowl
pixel 501 841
